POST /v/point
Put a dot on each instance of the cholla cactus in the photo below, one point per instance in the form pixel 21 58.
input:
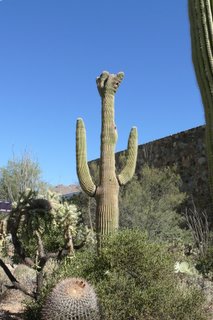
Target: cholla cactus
pixel 106 193
pixel 3 233
pixel 71 299
pixel 64 215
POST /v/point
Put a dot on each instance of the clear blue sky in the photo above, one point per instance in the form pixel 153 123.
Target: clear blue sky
pixel 50 55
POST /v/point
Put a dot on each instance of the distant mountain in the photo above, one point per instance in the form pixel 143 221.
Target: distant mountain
pixel 66 190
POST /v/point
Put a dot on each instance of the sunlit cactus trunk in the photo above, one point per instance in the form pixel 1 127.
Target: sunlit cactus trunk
pixel 106 193
pixel 201 23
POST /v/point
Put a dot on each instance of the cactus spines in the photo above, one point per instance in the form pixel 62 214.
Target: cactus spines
pixel 81 155
pixel 201 28
pixel 71 299
pixel 106 193
pixel 129 169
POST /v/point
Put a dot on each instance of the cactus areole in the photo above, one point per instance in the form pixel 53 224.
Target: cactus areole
pixel 106 193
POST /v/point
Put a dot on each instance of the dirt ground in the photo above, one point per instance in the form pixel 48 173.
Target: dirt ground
pixel 14 311
pixel 12 305
pixel 11 311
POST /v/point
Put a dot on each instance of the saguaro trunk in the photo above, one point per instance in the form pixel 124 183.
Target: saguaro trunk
pixel 106 193
pixel 201 26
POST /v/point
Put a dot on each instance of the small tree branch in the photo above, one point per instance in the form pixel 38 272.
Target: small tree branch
pixel 7 271
pixel 198 224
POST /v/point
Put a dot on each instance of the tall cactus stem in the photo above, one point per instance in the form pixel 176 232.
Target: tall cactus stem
pixel 201 28
pixel 84 176
pixel 129 169
pixel 106 193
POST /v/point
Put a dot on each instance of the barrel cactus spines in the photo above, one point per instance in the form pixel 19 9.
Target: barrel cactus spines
pixel 106 193
pixel 71 299
pixel 201 27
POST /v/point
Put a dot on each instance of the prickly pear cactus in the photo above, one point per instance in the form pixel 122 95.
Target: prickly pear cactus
pixel 71 299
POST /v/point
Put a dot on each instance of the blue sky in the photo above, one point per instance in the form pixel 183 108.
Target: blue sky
pixel 50 55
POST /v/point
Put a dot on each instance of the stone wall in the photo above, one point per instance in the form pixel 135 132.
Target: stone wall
pixel 185 150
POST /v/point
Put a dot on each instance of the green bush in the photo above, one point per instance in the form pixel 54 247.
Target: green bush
pixel 134 279
pixel 33 310
pixel 204 264
pixel 150 201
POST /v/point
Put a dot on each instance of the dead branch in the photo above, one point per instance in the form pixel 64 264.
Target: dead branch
pixel 199 226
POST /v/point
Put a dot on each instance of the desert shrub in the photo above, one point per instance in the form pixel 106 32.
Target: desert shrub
pixel 33 310
pixel 151 202
pixel 134 279
pixel 204 264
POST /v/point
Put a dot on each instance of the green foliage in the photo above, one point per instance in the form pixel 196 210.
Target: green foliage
pixel 135 279
pixel 52 223
pixel 33 310
pixel 204 264
pixel 18 175
pixel 150 202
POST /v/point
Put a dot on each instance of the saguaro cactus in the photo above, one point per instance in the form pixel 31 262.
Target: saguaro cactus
pixel 71 299
pixel 106 193
pixel 201 25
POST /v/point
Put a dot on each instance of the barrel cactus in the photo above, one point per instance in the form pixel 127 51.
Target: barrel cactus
pixel 106 193
pixel 71 299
